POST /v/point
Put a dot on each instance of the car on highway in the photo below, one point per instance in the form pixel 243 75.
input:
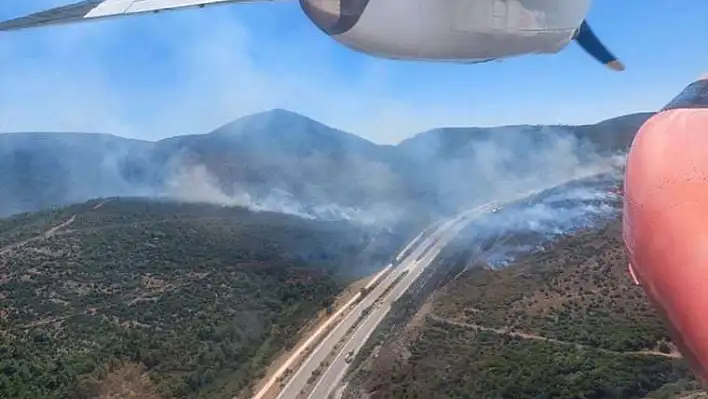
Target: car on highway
pixel 349 357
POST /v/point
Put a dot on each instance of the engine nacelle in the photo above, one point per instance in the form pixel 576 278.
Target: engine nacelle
pixel 449 30
pixel 466 31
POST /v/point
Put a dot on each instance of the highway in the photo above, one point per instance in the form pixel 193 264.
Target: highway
pixel 415 263
pixel 263 392
pixel 338 367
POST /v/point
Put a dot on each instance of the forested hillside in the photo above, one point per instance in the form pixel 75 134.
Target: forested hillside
pixel 179 300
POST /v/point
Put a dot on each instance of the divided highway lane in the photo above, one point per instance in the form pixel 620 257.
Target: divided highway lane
pixel 338 367
pixel 426 232
pixel 300 378
pixel 298 381
pixel 265 389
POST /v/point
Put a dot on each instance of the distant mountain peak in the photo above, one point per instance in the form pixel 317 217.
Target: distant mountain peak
pixel 282 112
pixel 276 119
pixel 274 113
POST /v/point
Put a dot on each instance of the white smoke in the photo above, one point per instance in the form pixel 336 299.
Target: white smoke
pixel 484 170
pixel 527 225
pixel 196 184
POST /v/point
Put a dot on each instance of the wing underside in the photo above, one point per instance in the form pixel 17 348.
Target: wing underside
pixel 92 9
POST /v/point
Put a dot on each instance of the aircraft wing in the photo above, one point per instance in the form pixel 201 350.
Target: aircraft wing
pixel 92 9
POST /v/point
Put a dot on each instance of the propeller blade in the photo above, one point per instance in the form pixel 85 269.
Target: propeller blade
pixel 586 38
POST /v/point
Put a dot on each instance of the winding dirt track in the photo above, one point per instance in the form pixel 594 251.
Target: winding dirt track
pixel 517 334
pixel 48 233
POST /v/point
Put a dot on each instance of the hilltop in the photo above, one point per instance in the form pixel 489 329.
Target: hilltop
pixel 285 162
pixel 161 298
pixel 563 322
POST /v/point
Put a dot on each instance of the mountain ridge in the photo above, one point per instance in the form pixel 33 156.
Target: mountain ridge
pixel 283 161
pixel 643 115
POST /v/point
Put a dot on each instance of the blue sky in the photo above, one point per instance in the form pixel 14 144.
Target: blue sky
pixel 185 72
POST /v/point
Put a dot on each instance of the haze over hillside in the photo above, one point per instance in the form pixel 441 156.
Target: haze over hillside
pixel 285 162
